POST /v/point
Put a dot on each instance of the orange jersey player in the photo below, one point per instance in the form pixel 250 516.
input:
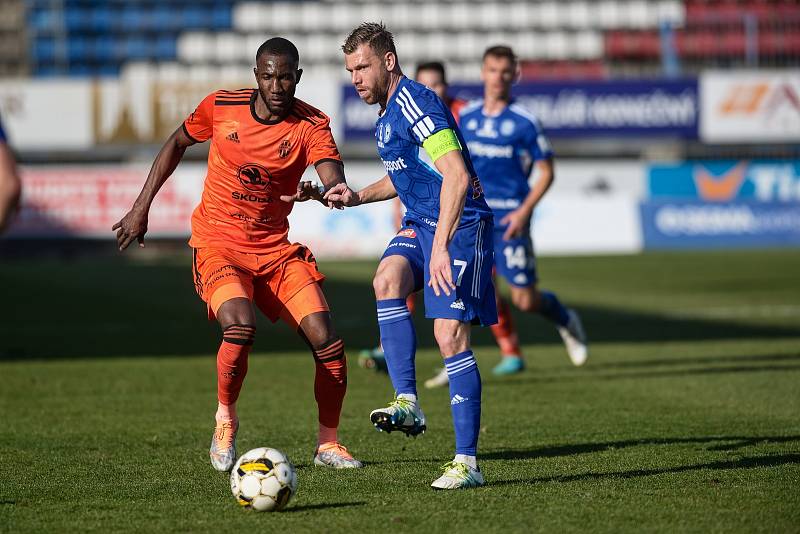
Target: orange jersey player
pixel 262 140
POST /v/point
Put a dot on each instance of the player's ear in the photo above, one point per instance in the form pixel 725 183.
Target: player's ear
pixel 390 60
pixel 517 73
pixel 297 76
pixel 255 72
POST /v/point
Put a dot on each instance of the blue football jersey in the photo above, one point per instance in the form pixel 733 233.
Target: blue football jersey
pixel 2 133
pixel 412 114
pixel 504 148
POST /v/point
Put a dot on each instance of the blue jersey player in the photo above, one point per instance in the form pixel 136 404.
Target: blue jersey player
pixel 444 246
pixel 507 144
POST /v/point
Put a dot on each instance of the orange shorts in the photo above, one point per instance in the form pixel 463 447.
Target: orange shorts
pixel 283 283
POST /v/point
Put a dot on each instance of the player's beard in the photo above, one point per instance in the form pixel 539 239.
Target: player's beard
pixel 381 92
pixel 279 111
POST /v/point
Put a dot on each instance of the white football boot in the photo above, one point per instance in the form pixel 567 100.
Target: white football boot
pixel 335 455
pixel 458 475
pixel 438 380
pixel 574 339
pixel 223 445
pixel 401 414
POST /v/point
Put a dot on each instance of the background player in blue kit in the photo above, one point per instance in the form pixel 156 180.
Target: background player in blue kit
pixel 444 246
pixel 506 143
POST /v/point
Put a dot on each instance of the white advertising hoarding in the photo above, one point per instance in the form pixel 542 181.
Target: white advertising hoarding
pixel 750 106
pixel 588 211
pixel 47 115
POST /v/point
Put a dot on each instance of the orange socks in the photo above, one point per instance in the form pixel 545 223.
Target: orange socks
pixel 504 331
pixel 411 302
pixel 330 383
pixel 232 361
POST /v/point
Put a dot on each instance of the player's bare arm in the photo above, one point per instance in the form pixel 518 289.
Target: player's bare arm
pixel 383 189
pixel 133 225
pixel 455 182
pixel 519 219
pixel 330 173
pixel 10 187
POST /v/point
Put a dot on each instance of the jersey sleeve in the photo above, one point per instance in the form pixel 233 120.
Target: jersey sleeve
pixel 537 142
pixel 424 112
pixel 320 145
pixel 200 124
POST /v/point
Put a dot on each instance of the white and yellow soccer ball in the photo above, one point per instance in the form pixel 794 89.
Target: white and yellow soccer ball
pixel 264 480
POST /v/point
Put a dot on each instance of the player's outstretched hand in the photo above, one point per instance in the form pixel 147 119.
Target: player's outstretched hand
pixel 441 273
pixel 305 191
pixel 340 195
pixel 132 226
pixel 516 222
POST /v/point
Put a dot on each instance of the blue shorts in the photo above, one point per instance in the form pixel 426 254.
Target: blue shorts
pixel 471 253
pixel 514 259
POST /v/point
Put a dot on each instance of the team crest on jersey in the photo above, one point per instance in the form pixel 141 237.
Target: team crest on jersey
pixel 387 133
pixel 407 232
pixel 487 130
pixel 472 124
pixel 507 127
pixel 255 178
pixel 285 148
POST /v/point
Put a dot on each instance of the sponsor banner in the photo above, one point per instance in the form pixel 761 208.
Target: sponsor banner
pixel 584 212
pixel 85 201
pixel 81 201
pixel 750 106
pixel 724 181
pixel 697 224
pixel 577 224
pixel 576 109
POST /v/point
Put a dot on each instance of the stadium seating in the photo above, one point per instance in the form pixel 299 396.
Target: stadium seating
pixel 578 38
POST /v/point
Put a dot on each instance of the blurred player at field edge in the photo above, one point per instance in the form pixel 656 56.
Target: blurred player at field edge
pixel 262 140
pixel 432 75
pixel 10 186
pixel 507 144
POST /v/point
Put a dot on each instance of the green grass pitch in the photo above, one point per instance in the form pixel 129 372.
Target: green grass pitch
pixel 686 418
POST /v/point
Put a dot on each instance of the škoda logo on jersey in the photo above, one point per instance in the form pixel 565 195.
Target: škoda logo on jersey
pixel 256 179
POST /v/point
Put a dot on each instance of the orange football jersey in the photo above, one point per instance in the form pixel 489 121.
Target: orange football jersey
pixel 251 163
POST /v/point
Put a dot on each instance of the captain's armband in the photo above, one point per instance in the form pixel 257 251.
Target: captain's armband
pixel 441 143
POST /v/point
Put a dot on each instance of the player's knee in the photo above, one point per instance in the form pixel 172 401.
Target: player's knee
pixel 526 301
pixel 236 311
pixel 317 330
pixel 386 286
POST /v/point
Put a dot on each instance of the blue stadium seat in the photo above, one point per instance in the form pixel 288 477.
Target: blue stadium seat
pixel 44 50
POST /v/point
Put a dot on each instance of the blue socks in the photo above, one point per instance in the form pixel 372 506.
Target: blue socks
pixel 399 341
pixel 553 310
pixel 465 400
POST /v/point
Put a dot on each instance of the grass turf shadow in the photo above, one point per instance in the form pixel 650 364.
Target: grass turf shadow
pixel 748 462
pixel 111 306
pixel 555 451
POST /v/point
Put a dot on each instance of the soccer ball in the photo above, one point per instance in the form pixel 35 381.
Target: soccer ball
pixel 264 480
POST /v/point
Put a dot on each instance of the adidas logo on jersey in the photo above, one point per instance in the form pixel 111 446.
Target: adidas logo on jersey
pixel 234 136
pixel 458 304
pixel 458 399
